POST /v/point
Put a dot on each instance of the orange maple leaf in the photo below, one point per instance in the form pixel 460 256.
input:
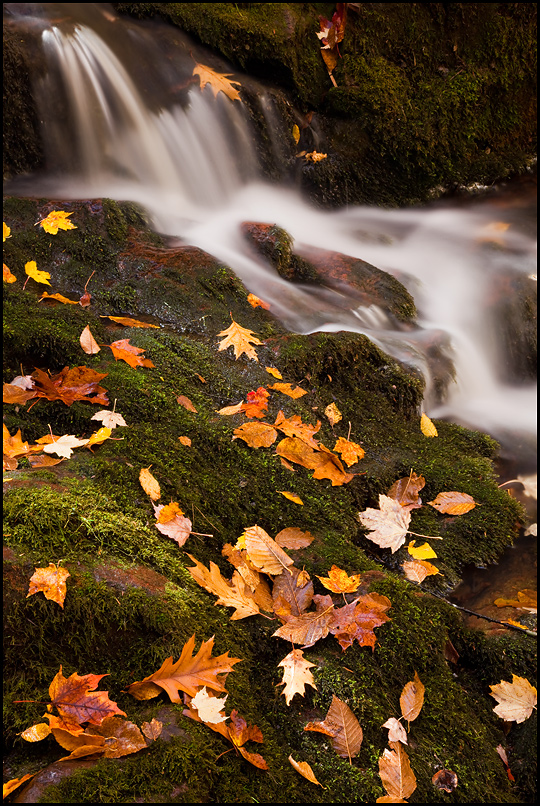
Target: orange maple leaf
pixel 338 581
pixel 51 581
pixel 124 351
pixel 77 702
pixel 57 219
pixel 357 620
pixel 256 403
pixel 78 383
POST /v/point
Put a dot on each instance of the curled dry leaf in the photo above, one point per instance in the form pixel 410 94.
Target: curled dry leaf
pixel 446 780
pixel 357 620
pixel 412 698
pixel 343 728
pixel 152 730
pixel 406 490
pixel 59 298
pixel 149 484
pixel 517 699
pixel 69 385
pixel 292 593
pixel 256 403
pixel 296 674
pixel 307 628
pixel 50 581
pixel 396 731
pixel 235 593
pixel 453 503
pixel 303 768
pixel 294 427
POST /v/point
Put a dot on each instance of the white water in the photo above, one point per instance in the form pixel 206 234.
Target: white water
pixel 193 167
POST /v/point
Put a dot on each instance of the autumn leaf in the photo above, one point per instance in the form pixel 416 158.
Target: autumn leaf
pixel 188 674
pixel 32 271
pixel 219 82
pixel 209 708
pixel 423 552
pixel 185 441
pixel 350 452
pixel 291 497
pixel 77 702
pixel 357 620
pixel 257 584
pixel 333 414
pixel 504 758
pixel 294 427
pixel 172 523
pixel 418 570
pixel 36 733
pixel 62 446
pixel 41 460
pixel 343 728
pixel 303 768
pixel 412 698
pixel 323 462
pixel 110 419
pixel 9 277
pixel 240 339
pixel 296 674
pixel 256 435
pixel 228 411
pixel 308 628
pixel 406 491
pixel 527 600
pixel 7 231
pixel 236 731
pixel 88 342
pixel 292 593
pixel 58 298
pixel 50 581
pixel 69 385
pixel 128 322
pixel 57 219
pixel 396 731
pixel 396 774
pixel 314 156
pixel 152 730
pixel 274 372
pixel 517 699
pixel 338 581
pixel 255 302
pixel 264 552
pixel 446 780
pixel 256 404
pixel 14 447
pixel 124 351
pixel 293 538
pixel 453 503
pixel 287 389
pixel 427 427
pixel 235 593
pixel 186 403
pixel 15 783
pixel 388 525
pixel 14 393
pixel 149 484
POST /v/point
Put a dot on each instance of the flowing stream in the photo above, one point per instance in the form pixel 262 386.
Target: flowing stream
pixel 124 118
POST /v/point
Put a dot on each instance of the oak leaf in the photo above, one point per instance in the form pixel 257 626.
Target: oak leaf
pixel 57 219
pixel 338 581
pixel 128 322
pixel 219 82
pixel 256 435
pixel 296 674
pixel 453 503
pixel 188 674
pixel 343 728
pixel 32 271
pixel 288 389
pixel 149 484
pixel 110 419
pixel 294 538
pixel 517 699
pixel 88 342
pixel 396 774
pixel 388 525
pixel 396 731
pixel 406 490
pixel 257 584
pixel 124 351
pixel 69 385
pixel 14 447
pixel 350 452
pixel 9 277
pixel 412 698
pixel 235 593
pixel 307 628
pixel 50 581
pixel 294 427
pixel 241 339
pixel 427 427
pixel 303 768
pixel 77 702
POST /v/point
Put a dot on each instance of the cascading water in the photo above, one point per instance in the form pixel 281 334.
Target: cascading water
pixel 121 120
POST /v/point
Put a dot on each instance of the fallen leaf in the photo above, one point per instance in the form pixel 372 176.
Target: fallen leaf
pixel 110 419
pixel 396 774
pixel 77 702
pixel 333 414
pixel 152 730
pixel 7 231
pixel 293 538
pixel 236 731
pixel 188 674
pixel 88 342
pixel 85 299
pixel 209 708
pixel 296 674
pixel 172 523
pixel 58 298
pixel 257 403
pixel 292 594
pixel 230 410
pixel 287 389
pixel 15 394
pixel 275 373
pixel 113 738
pixel 306 629
pixel 323 462
pixel 292 497
pixel 41 460
pixel 315 156
pixel 36 733
pixel 235 593
pixel 124 351
pixel 357 620
pixel 338 581
pixel 50 581
pixel 15 783
pixel 149 484
pixel 446 780
pixel 32 271
pixel 418 570
pixel 406 491
pixel 350 452
pixel 69 385
pixel 527 600
pixel 343 728
pixel 294 427
pixel 255 302
pixel 296 133
pixel 241 339
pixel 453 503
pixel 57 219
pixel 257 584
pixel 9 277
pixel 265 554
pixel 396 731
pixel 128 322
pixel 504 758
pixel 63 446
pixel 423 552
pixel 517 699
pixel 256 435
pixel 427 427
pixel 303 768
pixel 185 441
pixel 219 82
pixel 388 525
pixel 412 698
pixel 14 447
pixel 186 403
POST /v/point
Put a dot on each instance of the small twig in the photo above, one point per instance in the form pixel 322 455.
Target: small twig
pixel 479 615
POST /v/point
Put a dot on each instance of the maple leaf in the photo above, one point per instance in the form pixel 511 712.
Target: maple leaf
pixel 427 427
pixel 15 447
pixel 32 271
pixel 294 427
pixel 149 484
pixel 350 452
pixel 62 446
pixel 78 383
pixel 296 675
pixel 343 728
pixel 188 674
pixel 128 322
pixel 57 219
pixel 307 628
pixel 338 581
pixel 406 491
pixel 396 731
pixel 110 419
pixel 287 389
pixel 412 698
pixel 58 298
pixel 333 414
pixel 77 702
pixel 396 774
pixel 453 503
pixel 303 768
pixel 88 342
pixel 265 553
pixel 256 403
pixel 292 594
pixel 231 594
pixel 256 435
pixel 517 699
pixel 219 82
pixel 388 525
pixel 324 463
pixel 240 339
pixel 124 351
pixel 170 522
pixel 293 538
pixel 292 497
pixel 50 581
pixel 209 708
pixel 9 277
pixel 358 619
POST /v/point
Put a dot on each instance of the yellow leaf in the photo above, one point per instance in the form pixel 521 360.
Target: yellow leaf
pixel 296 133
pixel 315 156
pixel 219 82
pixel 88 342
pixel 287 389
pixel 128 322
pixel 423 552
pixel 36 733
pixel 241 339
pixel 350 452
pixel 265 554
pixel 453 503
pixel 275 372
pixel 149 484
pixel 169 512
pixel 305 770
pixel 99 436
pixel 57 219
pixel 235 593
pixel 8 276
pixel 517 699
pixel 7 231
pixel 39 276
pixel 59 298
pixel 427 427
pixel 333 414
pixel 412 698
pixel 292 497
pixel 11 785
pixel 50 581
pixel 338 581
pixel 396 774
pixel 209 708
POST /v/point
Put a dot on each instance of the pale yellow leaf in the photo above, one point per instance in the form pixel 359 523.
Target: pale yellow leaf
pixel 265 554
pixel 396 774
pixel 149 484
pixel 517 699
pixel 296 674
pixel 88 342
pixel 209 707
pixel 388 525
pixel 219 82
pixel 427 427
pixel 396 731
pixel 303 768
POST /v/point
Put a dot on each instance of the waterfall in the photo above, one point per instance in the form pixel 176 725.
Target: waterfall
pixel 121 120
